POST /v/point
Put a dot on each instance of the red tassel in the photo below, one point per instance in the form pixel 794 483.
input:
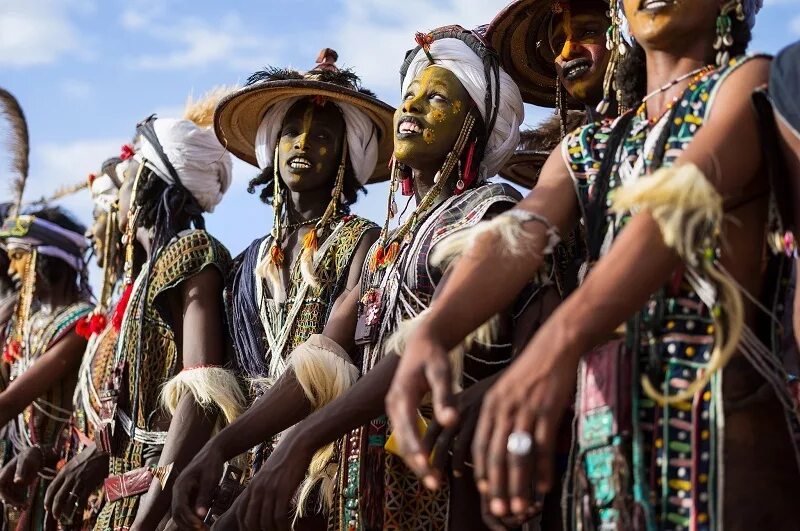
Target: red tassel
pixel 98 323
pixel 12 351
pixel 119 311
pixel 83 327
pixel 407 186
pixel 470 173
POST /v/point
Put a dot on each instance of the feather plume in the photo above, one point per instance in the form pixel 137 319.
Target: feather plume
pixel 201 110
pixel 20 145
pixel 60 193
pixel 547 134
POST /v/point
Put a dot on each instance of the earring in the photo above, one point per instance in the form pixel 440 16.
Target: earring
pixel 560 110
pixel 724 39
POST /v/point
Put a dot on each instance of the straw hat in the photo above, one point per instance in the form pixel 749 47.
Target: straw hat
pixel 535 146
pixel 520 34
pixel 239 115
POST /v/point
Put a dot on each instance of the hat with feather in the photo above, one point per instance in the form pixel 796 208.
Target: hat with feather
pixel 247 122
pixel 535 146
pixel 521 35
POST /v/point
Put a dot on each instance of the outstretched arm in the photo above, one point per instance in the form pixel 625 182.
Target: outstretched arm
pixel 60 360
pixel 196 308
pixel 282 406
pixel 532 395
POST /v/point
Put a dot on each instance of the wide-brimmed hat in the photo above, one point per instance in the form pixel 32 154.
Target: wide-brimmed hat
pixel 520 34
pixel 535 146
pixel 239 115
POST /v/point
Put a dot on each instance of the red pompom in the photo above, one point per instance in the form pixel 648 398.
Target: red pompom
pixel 83 328
pixel 12 351
pixel 98 323
pixel 126 152
pixel 119 311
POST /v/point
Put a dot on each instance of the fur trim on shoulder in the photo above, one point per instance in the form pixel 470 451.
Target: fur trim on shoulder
pixel 325 372
pixel 689 212
pixel 211 387
pixel 504 233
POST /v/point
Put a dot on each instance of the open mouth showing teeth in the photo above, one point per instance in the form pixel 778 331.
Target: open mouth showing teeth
pixel 408 126
pixel 655 5
pixel 576 69
pixel 299 163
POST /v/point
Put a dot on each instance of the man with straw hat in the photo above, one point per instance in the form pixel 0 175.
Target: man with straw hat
pixel 318 138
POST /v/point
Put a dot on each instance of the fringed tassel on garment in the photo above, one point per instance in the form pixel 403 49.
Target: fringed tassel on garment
pixel 689 213
pixel 484 335
pixel 324 371
pixel 211 387
pixel 269 267
pixel 310 247
pixel 504 233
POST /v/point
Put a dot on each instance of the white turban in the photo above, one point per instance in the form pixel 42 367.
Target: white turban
pixel 362 137
pixel 202 164
pixel 457 57
pixel 104 192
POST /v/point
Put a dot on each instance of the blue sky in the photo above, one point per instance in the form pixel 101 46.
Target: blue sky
pixel 85 71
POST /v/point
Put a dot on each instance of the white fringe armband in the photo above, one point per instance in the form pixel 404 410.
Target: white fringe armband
pixel 506 232
pixel 689 213
pixel 211 387
pixel 324 371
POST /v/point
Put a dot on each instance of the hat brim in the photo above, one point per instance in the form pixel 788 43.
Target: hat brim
pixel 519 33
pixel 239 115
pixel 524 167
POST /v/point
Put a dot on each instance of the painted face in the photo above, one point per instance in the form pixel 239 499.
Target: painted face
pixel 671 24
pixel 429 120
pixel 18 259
pixel 125 192
pixel 579 41
pixel 310 145
pixel 97 233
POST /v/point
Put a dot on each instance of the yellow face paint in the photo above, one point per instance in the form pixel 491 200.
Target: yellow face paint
pixel 457 106
pixel 308 117
pixel 438 115
pixel 566 21
pixel 428 135
pixel 323 151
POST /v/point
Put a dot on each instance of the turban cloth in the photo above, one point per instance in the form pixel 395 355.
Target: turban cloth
pixel 457 57
pixel 362 137
pixel 203 166
pixel 104 192
pixel 49 239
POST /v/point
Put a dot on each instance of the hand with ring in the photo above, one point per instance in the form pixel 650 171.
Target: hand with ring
pixel 69 492
pixel 514 444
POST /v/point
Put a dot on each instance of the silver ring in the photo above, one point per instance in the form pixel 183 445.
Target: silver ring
pixel 519 443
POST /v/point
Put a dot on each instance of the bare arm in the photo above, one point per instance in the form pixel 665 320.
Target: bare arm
pixel 200 317
pixel 60 360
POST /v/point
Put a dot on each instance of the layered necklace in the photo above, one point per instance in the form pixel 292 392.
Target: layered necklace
pixel 697 74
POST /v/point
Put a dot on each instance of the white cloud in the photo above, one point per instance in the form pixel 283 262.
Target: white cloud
pixel 55 165
pixel 36 32
pixel 372 36
pixel 794 25
pixel 196 43
pixel 76 89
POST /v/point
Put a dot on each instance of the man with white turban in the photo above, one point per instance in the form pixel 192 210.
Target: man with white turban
pixel 171 354
pixel 458 123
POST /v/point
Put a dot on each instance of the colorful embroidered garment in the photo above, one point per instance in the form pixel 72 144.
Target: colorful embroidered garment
pixel 146 325
pixel 639 464
pixel 374 488
pixel 44 421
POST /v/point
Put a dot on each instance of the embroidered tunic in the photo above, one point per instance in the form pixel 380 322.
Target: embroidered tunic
pixel 639 464
pixel 374 488
pixel 44 421
pixel 150 367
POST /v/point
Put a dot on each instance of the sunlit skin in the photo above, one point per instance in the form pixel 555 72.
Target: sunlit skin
pixel 678 21
pixel 97 233
pixel 579 39
pixel 434 104
pixel 18 262
pixel 315 133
